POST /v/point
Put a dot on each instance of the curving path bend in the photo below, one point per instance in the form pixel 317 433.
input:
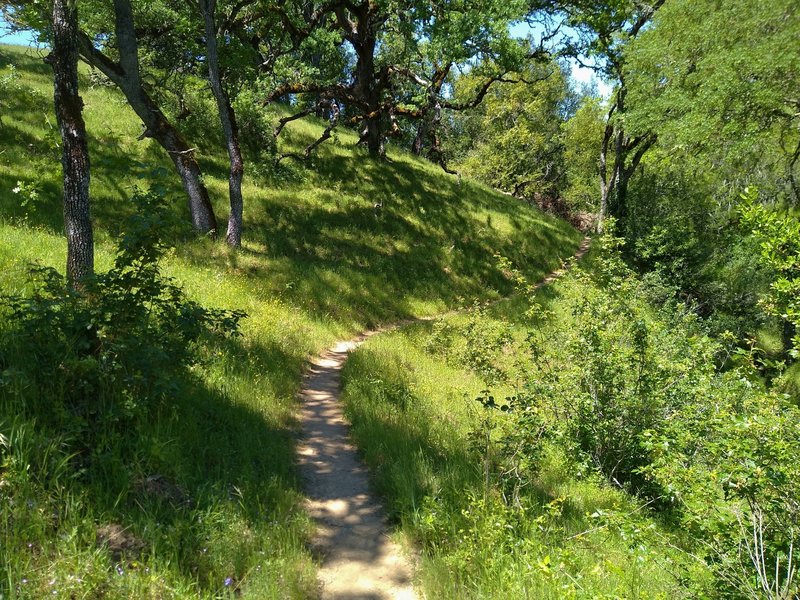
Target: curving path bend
pixel 359 560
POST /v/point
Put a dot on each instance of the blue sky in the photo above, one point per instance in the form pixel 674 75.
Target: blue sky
pixel 580 74
pixel 23 39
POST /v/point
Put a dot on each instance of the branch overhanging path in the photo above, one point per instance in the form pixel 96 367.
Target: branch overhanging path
pixel 359 560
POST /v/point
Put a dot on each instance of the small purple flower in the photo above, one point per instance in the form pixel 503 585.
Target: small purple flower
pixel 228 581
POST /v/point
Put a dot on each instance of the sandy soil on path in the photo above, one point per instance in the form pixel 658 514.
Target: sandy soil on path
pixel 359 560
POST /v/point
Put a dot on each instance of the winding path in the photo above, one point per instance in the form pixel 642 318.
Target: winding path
pixel 359 560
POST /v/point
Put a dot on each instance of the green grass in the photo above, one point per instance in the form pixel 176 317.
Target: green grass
pixel 410 395
pixel 318 263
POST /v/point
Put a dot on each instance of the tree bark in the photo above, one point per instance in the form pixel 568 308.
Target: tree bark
pixel 371 134
pixel 628 153
pixel 229 126
pixel 616 200
pixel 365 85
pixel 125 74
pixel 431 111
pixel 75 151
pixel 362 34
pixel 419 139
pixel 606 183
pixel 788 331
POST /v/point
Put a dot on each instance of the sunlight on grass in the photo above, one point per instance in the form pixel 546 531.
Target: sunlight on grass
pixel 319 262
pixel 415 418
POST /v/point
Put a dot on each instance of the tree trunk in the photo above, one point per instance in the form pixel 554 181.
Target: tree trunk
pixel 419 139
pixel 616 200
pixel 431 113
pixel 372 137
pixel 787 335
pixel 75 152
pixel 425 126
pixel 362 33
pixel 606 185
pixel 229 127
pixel 125 75
pixel 628 153
pixel 366 86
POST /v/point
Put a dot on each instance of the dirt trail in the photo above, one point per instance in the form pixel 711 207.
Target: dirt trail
pixel 359 560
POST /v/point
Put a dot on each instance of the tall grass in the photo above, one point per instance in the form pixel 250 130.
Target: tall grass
pixel 203 500
pixel 433 452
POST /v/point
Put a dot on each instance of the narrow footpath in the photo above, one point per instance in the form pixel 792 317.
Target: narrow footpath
pixel 359 560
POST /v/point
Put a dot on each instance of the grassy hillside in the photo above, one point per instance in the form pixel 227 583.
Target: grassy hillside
pixel 203 501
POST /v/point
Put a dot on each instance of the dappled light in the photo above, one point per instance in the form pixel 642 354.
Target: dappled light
pixel 346 299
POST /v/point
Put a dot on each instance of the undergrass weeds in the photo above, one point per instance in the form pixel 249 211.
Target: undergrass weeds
pixel 206 502
pixel 434 453
pixel 584 445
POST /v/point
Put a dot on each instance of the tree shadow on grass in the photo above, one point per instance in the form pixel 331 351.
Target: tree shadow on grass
pixel 204 488
pixel 232 452
pixel 336 253
pixel 355 239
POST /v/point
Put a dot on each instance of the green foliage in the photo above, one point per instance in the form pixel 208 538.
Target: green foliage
pixel 616 374
pixel 634 393
pixel 716 83
pixel 516 145
pixel 484 341
pixel 480 344
pixel 201 478
pixel 730 466
pixel 111 352
pixel 29 194
pixel 604 30
pixel 628 391
pixel 682 235
pixel 720 81
pixel 484 488
pixel 582 137
pixel 778 233
pixel 255 130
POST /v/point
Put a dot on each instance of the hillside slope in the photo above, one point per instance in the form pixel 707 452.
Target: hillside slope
pixel 208 496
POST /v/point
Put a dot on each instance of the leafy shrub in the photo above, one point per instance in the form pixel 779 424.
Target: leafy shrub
pixel 440 339
pixel 255 129
pixel 484 341
pixel 731 464
pixel 511 451
pixel 779 239
pixel 95 360
pixel 682 233
pixel 632 390
pixel 477 345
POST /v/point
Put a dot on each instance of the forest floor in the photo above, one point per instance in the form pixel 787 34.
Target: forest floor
pixel 359 557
